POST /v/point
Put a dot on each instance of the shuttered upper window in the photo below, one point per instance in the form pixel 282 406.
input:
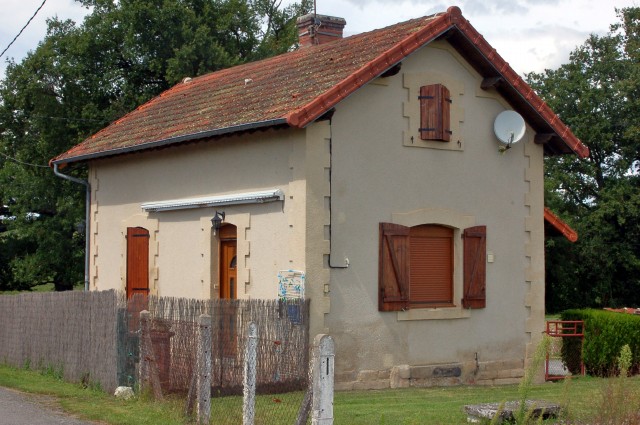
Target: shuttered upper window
pixel 416 267
pixel 435 113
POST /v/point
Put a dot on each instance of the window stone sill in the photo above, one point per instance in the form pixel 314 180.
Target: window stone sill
pixel 434 314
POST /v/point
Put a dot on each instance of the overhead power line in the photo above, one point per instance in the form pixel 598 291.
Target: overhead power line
pixel 25 26
pixel 22 162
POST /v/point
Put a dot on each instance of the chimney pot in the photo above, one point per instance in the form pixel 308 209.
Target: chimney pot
pixel 319 29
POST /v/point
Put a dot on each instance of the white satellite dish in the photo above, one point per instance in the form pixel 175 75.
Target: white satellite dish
pixel 509 127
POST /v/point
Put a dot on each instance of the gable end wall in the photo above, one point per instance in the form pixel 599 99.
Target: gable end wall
pixel 379 175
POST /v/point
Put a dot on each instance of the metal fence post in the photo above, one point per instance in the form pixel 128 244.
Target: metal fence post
pixel 323 370
pixel 203 372
pixel 249 380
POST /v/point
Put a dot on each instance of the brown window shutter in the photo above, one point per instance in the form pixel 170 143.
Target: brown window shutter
pixel 431 260
pixel 137 261
pixel 435 110
pixel 393 268
pixel 475 253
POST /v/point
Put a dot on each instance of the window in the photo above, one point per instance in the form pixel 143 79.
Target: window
pixel 416 267
pixel 431 265
pixel 435 115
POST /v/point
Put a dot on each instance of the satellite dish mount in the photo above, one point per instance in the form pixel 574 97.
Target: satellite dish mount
pixel 509 127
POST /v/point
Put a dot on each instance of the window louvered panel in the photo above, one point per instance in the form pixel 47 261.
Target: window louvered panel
pixel 431 265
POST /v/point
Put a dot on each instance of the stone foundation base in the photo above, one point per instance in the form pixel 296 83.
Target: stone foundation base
pixel 501 372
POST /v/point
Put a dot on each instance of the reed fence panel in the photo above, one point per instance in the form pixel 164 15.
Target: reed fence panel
pixel 72 333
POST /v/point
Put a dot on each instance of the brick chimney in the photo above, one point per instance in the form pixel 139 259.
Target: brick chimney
pixel 319 29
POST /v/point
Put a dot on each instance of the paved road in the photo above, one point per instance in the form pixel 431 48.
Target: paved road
pixel 17 408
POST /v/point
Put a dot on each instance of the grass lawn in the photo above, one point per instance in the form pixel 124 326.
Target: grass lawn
pixel 92 404
pixel 586 398
pixel 46 287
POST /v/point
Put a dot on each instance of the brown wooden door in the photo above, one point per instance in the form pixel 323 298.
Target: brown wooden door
pixel 137 261
pixel 228 270
pixel 228 290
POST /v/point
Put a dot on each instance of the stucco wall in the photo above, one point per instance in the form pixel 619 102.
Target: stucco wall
pixel 182 244
pixel 380 175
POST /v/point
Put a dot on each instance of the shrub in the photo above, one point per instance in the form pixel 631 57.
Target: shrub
pixel 605 334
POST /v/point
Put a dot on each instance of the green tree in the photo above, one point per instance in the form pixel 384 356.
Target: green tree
pixel 598 95
pixel 80 78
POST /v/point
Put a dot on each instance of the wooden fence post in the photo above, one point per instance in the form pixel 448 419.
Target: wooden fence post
pixel 149 373
pixel 203 397
pixel 323 370
pixel 249 379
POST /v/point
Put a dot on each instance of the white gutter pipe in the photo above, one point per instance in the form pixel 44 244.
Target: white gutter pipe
pixel 86 219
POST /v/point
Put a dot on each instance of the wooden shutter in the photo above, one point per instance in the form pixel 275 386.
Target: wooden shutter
pixel 137 261
pixel 435 110
pixel 393 268
pixel 475 253
pixel 431 258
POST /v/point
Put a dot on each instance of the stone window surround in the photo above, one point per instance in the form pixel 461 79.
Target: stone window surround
pixel 459 222
pixel 411 137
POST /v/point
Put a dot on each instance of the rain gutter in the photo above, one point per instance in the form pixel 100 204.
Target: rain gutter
pixel 86 219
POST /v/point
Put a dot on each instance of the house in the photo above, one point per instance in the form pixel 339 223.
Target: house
pixel 368 164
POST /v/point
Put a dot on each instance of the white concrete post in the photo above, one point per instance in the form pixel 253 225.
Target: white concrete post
pixel 203 371
pixel 249 380
pixel 323 369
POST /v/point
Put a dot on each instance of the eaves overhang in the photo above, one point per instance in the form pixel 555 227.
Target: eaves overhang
pixel 556 137
pixel 65 160
pixel 559 226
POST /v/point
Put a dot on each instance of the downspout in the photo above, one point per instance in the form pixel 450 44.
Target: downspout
pixel 86 219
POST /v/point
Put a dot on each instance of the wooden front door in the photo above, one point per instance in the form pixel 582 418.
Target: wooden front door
pixel 228 269
pixel 137 261
pixel 228 262
pixel 228 290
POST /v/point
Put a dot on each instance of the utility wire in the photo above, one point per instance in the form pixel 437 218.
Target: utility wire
pixel 22 162
pixel 25 26
pixel 69 119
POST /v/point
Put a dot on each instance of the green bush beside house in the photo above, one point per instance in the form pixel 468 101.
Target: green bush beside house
pixel 605 334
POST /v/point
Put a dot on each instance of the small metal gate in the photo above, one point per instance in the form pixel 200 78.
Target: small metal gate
pixel 564 355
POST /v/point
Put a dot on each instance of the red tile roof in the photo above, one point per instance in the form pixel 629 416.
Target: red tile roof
pixel 559 225
pixel 298 87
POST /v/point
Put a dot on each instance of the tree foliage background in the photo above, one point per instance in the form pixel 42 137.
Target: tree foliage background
pixel 82 77
pixel 598 95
